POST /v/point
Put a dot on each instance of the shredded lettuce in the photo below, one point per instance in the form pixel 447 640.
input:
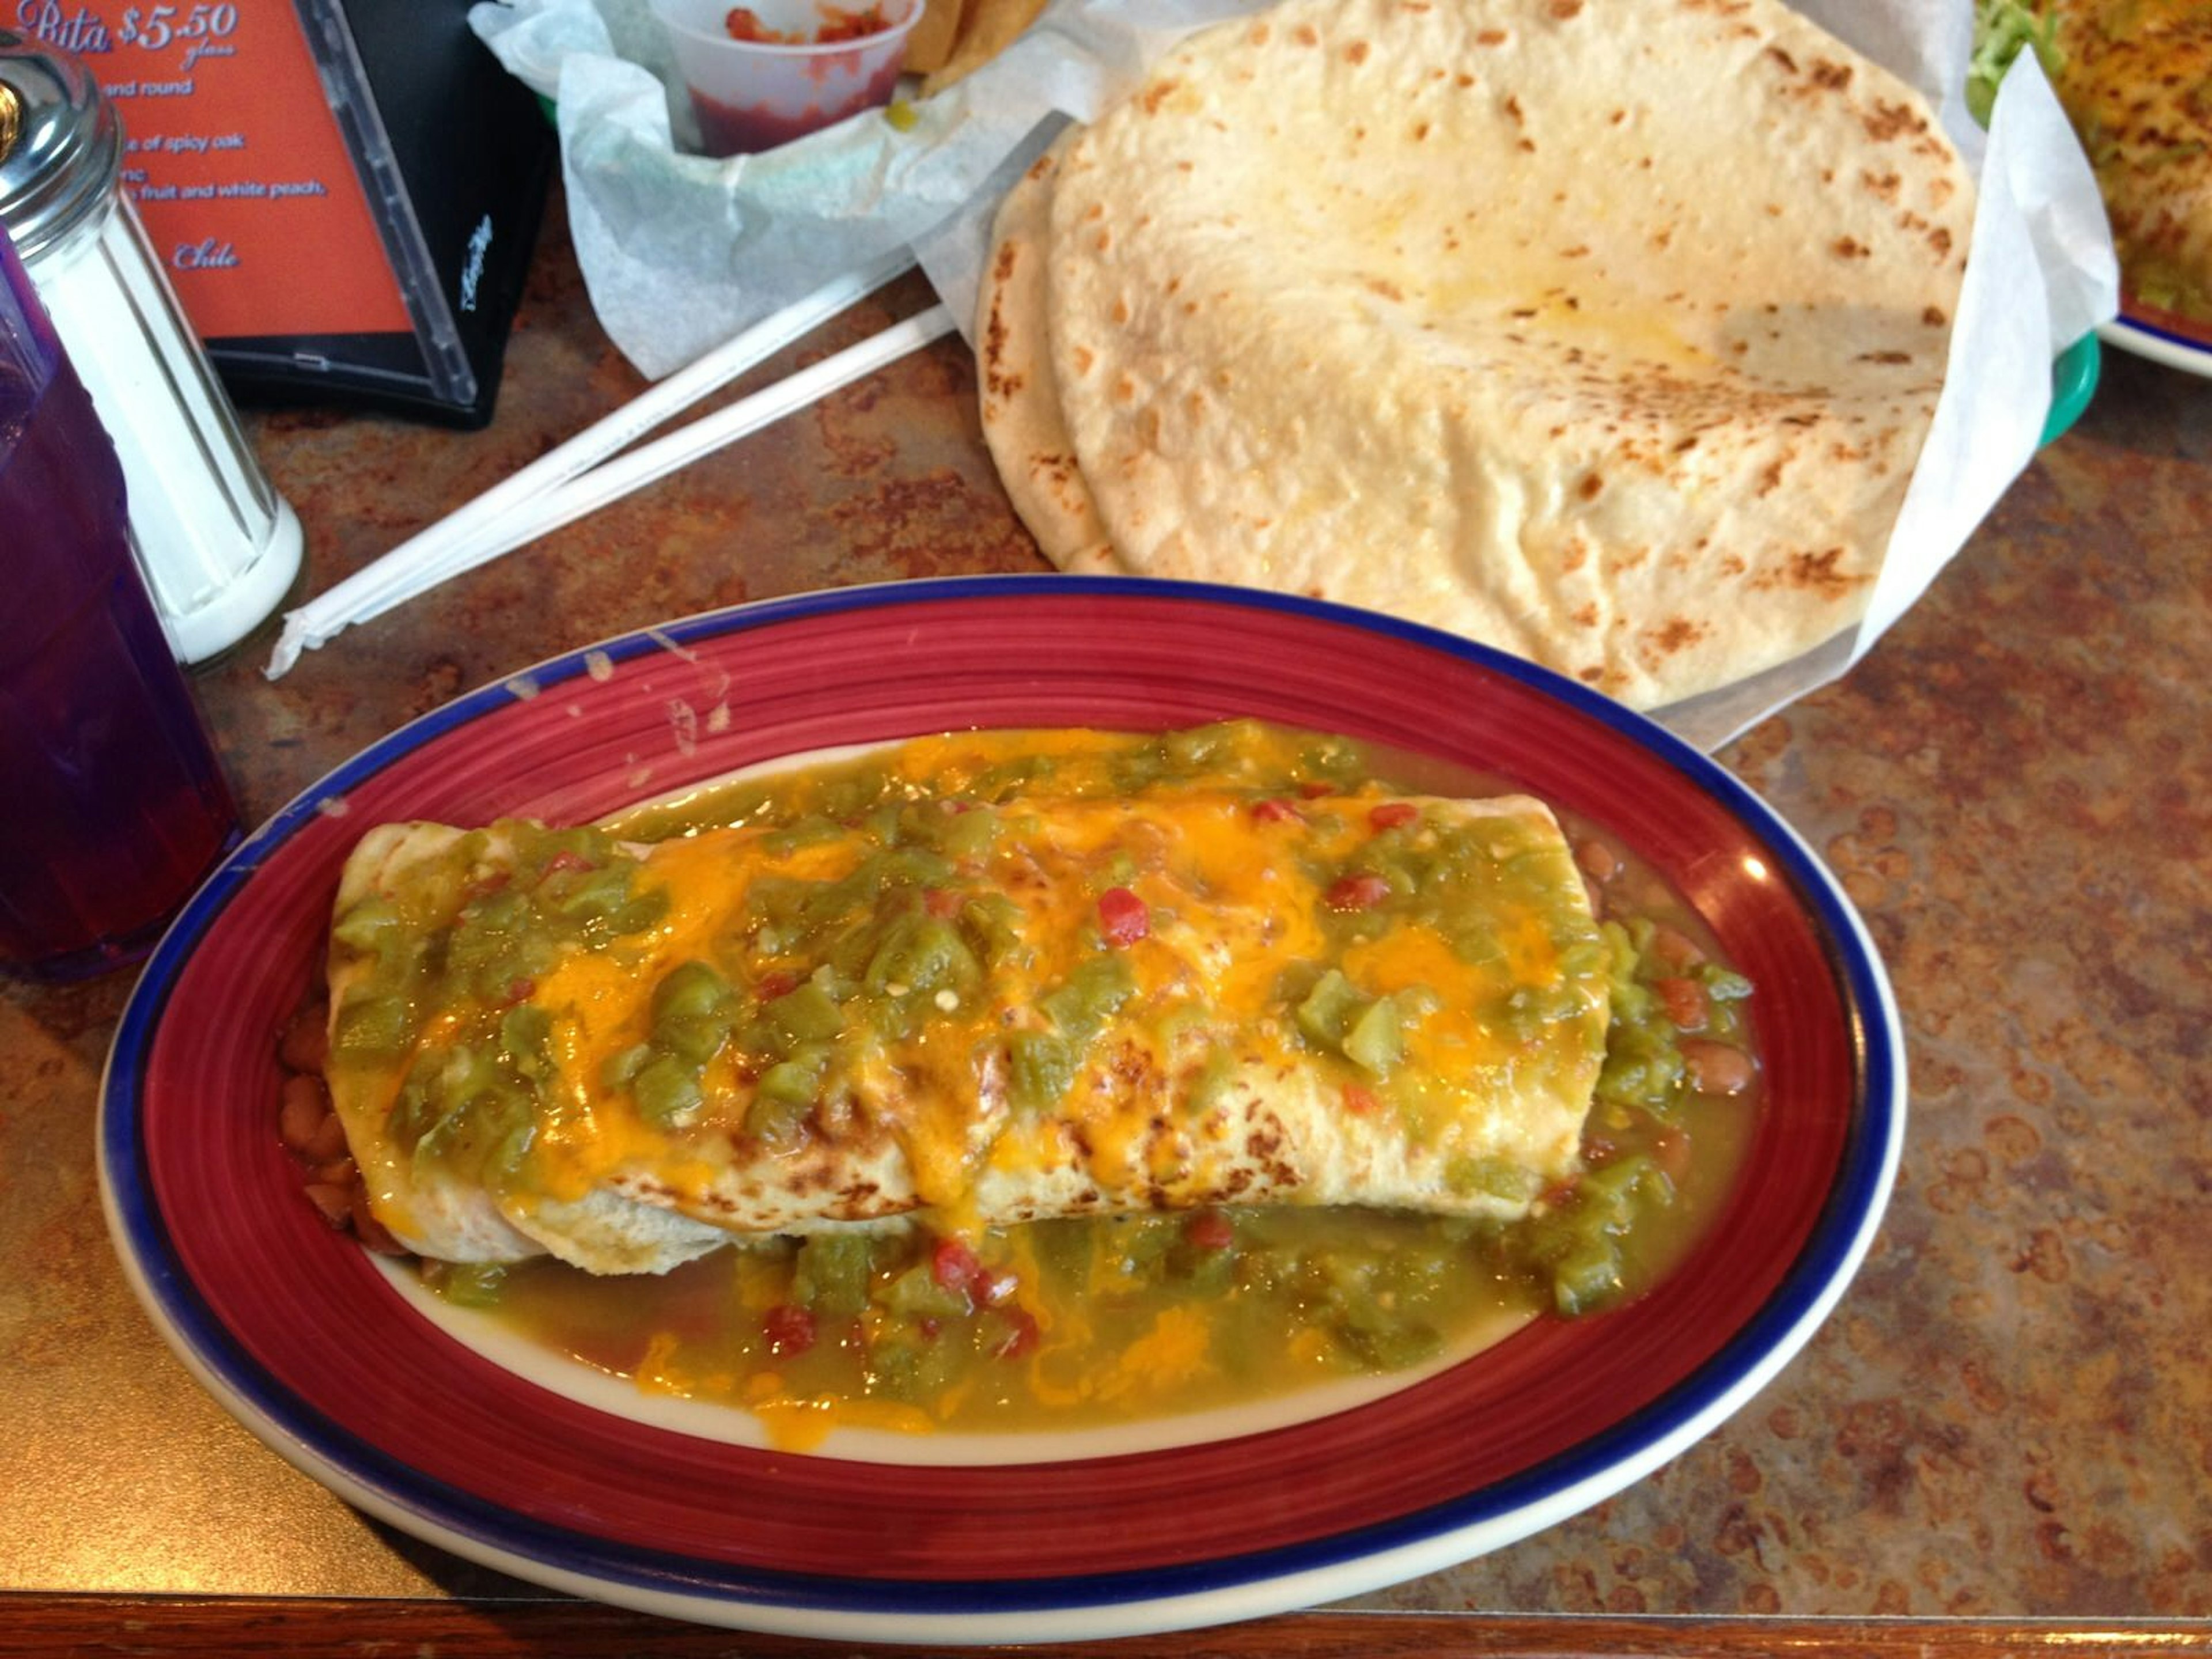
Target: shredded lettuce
pixel 2002 27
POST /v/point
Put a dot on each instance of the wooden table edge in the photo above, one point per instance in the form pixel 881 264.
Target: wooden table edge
pixel 351 1628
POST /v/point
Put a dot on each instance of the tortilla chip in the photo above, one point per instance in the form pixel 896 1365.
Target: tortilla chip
pixel 931 43
pixel 986 28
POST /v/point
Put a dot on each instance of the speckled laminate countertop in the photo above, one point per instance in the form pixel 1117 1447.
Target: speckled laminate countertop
pixel 2009 1414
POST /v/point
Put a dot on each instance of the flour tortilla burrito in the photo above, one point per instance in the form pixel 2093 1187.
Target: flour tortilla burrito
pixel 1606 335
pixel 628 1054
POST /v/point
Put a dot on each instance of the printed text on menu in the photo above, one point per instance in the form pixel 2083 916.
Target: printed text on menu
pixel 237 165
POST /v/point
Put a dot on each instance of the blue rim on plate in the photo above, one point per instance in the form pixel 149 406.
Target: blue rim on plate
pixel 2163 343
pixel 182 1171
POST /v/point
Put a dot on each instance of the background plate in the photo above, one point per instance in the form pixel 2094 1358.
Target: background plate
pixel 300 1336
pixel 2161 337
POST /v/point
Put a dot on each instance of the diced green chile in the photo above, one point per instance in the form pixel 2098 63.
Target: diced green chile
pixel 667 1090
pixel 1092 994
pixel 1328 1009
pixel 374 1025
pixel 1041 1069
pixel 922 953
pixel 806 1014
pixel 831 1272
pixel 367 925
pixel 1376 1039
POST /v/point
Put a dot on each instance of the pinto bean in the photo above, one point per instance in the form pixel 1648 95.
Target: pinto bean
pixel 367 1228
pixel 1599 861
pixel 304 1044
pixel 302 1109
pixel 1715 1068
pixel 1675 948
pixel 334 1202
pixel 330 1141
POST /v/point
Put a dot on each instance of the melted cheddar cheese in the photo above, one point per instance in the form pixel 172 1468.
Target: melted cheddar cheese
pixel 1017 976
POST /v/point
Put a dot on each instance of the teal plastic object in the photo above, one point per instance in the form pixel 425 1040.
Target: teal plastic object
pixel 2073 383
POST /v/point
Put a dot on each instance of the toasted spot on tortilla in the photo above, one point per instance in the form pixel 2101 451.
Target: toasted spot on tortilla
pixel 1675 634
pixel 1888 121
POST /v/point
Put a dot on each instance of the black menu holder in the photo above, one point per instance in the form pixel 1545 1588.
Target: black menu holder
pixel 344 193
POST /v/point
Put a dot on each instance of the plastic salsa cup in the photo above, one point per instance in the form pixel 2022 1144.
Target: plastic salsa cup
pixel 755 94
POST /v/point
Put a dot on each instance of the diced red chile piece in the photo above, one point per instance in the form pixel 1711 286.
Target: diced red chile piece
pixel 567 859
pixel 1359 1100
pixel 1209 1230
pixel 954 1266
pixel 1314 789
pixel 1362 890
pixel 1684 1002
pixel 789 1327
pixel 1021 1331
pixel 943 902
pixel 1275 811
pixel 1392 814
pixel 1122 916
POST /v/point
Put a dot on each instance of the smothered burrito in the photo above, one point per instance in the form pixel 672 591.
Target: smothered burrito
pixel 981 1012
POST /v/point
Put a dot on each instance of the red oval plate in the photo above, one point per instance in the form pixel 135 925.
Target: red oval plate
pixel 301 1337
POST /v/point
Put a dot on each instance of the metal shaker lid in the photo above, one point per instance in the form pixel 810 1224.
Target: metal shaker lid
pixel 66 151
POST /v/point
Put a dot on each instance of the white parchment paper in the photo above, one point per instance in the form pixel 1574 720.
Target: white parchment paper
pixel 679 252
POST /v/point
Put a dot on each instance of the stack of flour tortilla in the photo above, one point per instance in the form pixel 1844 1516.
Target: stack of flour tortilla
pixel 1605 334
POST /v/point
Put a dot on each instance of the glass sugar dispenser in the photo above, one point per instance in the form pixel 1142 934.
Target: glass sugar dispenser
pixel 219 548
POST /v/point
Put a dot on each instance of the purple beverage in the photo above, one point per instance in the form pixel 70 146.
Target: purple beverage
pixel 112 805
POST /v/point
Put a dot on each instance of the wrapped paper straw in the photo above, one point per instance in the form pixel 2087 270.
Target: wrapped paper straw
pixel 446 548
pixel 618 477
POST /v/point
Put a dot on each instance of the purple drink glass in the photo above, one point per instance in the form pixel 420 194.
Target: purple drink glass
pixel 113 803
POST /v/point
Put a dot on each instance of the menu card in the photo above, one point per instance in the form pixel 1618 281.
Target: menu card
pixel 341 192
